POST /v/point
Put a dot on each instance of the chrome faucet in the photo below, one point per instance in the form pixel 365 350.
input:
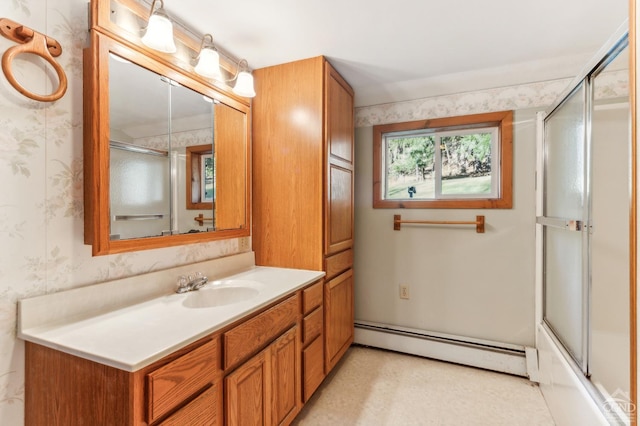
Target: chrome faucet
pixel 191 282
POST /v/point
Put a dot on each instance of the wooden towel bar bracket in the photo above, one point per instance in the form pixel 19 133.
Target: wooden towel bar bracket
pixel 201 219
pixel 30 41
pixel 479 223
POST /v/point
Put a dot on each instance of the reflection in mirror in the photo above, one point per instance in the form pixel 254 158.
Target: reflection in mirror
pixel 153 121
pixel 191 125
pixel 200 177
pixel 139 185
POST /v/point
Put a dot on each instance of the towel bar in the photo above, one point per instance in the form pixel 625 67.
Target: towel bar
pixel 479 222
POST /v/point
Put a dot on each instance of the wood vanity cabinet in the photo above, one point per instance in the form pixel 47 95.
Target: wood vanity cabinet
pixel 182 388
pixel 247 373
pixel 264 390
pixel 303 165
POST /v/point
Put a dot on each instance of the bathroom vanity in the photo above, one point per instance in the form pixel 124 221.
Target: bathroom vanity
pixel 244 349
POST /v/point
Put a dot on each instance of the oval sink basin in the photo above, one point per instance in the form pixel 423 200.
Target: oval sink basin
pixel 223 292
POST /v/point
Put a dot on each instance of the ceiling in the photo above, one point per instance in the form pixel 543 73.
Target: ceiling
pixel 398 50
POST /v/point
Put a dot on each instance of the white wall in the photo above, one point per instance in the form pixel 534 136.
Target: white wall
pixel 41 207
pixel 461 282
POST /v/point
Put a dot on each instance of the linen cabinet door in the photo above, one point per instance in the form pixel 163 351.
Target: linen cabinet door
pixel 340 139
pixel 248 392
pixel 338 303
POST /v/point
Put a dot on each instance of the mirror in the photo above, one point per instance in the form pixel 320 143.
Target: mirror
pixel 166 157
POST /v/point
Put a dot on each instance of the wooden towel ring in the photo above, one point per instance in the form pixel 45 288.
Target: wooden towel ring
pixel 31 41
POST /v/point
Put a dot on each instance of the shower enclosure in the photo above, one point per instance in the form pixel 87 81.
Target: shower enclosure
pixel 585 227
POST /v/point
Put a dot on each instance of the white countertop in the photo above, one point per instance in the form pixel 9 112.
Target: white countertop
pixel 135 336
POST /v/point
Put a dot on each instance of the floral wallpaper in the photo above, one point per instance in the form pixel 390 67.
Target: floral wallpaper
pixel 533 95
pixel 41 201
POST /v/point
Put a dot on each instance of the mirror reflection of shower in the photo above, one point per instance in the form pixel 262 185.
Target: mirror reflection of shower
pixel 139 192
pixel 153 120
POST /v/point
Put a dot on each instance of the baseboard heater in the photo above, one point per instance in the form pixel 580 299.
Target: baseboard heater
pixel 489 355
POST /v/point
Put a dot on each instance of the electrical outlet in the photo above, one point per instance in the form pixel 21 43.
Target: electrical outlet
pixel 404 291
pixel 243 244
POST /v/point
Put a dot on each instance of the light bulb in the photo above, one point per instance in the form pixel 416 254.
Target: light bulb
pixel 244 85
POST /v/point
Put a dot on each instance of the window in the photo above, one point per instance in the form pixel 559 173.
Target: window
pixel 200 177
pixel 456 162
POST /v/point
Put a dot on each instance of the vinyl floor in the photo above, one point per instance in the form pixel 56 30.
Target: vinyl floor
pixel 372 387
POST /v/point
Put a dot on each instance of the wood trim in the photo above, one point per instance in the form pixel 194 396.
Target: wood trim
pixel 633 215
pixel 503 119
pixel 192 180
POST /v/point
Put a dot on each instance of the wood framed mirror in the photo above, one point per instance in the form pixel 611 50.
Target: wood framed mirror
pixel 144 121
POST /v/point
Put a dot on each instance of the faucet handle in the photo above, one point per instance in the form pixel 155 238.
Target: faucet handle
pixel 199 280
pixel 182 284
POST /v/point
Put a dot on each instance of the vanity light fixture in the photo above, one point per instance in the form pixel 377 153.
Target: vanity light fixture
pixel 209 66
pixel 208 59
pixel 244 81
pixel 159 31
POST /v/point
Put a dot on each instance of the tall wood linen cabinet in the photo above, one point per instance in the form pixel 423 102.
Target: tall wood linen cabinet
pixel 303 207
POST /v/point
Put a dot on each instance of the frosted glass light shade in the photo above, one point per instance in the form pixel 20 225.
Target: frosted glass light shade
pixel 159 34
pixel 209 64
pixel 244 85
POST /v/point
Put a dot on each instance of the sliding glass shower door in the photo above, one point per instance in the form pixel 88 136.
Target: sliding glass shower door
pixel 564 221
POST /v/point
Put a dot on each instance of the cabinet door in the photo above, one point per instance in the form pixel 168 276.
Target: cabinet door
pixel 313 367
pixel 338 303
pixel 285 370
pixel 248 391
pixel 339 209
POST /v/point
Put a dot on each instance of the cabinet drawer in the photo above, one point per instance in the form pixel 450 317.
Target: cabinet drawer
pixel 312 326
pixel 312 297
pixel 338 263
pixel 312 368
pixel 254 334
pixel 172 384
pixel 202 411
